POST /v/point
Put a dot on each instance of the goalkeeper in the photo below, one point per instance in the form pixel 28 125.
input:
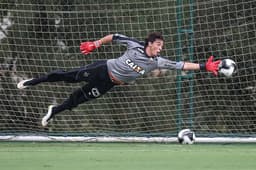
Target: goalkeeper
pixel 139 59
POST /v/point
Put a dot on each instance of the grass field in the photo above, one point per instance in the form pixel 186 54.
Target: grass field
pixel 125 156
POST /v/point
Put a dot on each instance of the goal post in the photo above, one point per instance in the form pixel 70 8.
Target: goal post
pixel 40 36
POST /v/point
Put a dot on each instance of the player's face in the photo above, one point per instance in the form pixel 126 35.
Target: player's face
pixel 155 48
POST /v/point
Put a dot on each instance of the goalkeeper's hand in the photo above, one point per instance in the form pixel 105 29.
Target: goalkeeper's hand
pixel 89 46
pixel 212 66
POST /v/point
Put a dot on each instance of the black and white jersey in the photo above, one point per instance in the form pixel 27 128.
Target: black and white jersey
pixel 135 62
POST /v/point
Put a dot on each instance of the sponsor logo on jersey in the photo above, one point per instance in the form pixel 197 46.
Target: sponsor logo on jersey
pixel 135 67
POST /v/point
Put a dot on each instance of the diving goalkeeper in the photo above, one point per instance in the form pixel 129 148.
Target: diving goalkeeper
pixel 139 59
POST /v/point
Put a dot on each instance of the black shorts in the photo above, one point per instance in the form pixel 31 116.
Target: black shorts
pixel 96 75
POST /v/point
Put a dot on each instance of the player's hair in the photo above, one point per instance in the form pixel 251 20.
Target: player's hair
pixel 152 37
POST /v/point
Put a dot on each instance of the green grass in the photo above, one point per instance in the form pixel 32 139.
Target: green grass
pixel 126 156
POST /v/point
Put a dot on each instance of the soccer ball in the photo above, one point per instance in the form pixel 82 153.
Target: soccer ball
pixel 227 67
pixel 186 136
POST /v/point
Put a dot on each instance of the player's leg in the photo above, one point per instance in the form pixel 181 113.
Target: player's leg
pixel 81 95
pixel 57 75
pixel 86 73
pixel 77 97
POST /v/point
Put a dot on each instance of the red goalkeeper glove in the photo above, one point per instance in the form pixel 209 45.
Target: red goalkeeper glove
pixel 88 47
pixel 211 66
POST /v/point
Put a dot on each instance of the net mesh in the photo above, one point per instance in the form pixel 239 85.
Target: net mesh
pixel 38 36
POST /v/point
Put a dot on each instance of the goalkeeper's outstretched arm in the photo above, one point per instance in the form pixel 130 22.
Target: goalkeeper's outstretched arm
pixel 88 46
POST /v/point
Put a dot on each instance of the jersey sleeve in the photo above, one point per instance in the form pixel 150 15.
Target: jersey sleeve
pixel 168 64
pixel 127 41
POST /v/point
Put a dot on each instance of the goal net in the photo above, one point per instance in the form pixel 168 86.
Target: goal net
pixel 39 36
